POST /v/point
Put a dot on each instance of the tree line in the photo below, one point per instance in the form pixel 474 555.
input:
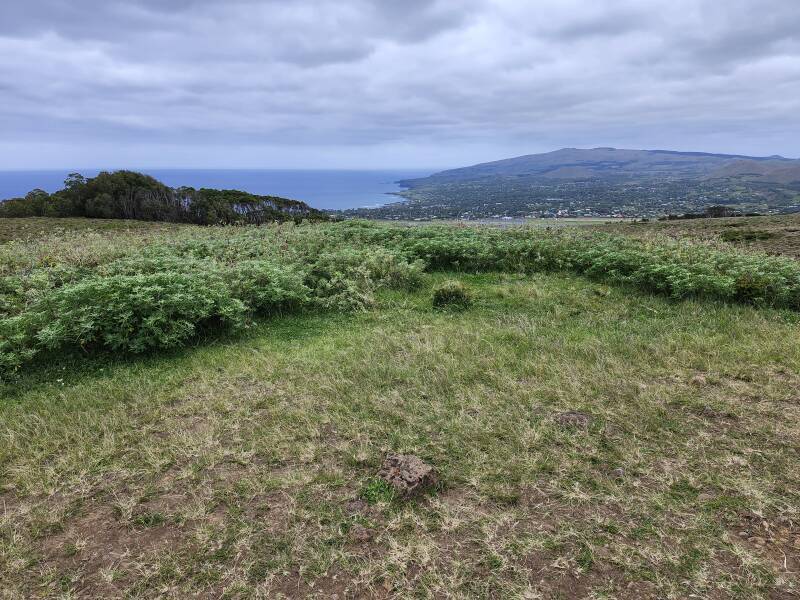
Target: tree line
pixel 132 195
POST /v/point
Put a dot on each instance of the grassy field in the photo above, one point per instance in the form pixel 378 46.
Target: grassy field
pixel 774 234
pixel 33 227
pixel 520 221
pixel 245 465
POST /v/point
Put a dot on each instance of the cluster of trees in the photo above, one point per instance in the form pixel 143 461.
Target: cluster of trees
pixel 131 195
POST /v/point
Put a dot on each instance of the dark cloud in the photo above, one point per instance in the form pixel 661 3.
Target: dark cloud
pixel 380 83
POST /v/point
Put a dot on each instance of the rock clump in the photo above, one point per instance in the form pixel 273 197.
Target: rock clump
pixel 408 475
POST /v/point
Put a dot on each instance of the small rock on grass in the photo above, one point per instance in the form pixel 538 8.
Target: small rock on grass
pixel 573 418
pixel 408 475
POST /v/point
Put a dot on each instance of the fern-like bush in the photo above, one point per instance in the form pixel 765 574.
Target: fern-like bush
pixel 268 287
pixel 136 312
pixel 137 292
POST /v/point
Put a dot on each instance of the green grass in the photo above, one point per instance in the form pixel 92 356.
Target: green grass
pixel 230 468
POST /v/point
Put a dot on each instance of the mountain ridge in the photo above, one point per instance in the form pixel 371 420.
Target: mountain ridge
pixel 612 163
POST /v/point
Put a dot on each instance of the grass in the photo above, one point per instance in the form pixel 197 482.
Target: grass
pixel 20 229
pixel 773 234
pixel 239 467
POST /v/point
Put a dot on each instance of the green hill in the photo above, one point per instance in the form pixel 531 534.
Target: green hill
pixel 131 195
pixel 618 164
pixel 601 182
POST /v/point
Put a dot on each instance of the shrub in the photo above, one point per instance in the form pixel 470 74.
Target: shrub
pixel 267 287
pixel 388 269
pixel 136 312
pixel 15 343
pixel 746 235
pixel 451 294
pixel 346 278
pixel 158 262
pixel 134 291
pixel 11 295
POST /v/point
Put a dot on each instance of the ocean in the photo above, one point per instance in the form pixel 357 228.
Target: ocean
pixel 320 189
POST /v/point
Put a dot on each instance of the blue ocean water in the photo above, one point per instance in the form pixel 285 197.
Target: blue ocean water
pixel 320 189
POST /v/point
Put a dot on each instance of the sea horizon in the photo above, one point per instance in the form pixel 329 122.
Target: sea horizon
pixel 328 189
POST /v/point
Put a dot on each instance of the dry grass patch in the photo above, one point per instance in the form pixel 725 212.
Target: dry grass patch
pixel 774 234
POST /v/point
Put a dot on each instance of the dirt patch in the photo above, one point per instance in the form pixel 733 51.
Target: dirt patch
pixel 551 573
pixel 272 510
pixel 712 414
pixel 361 534
pixel 97 542
pixel 337 585
pixel 573 419
pixel 775 539
pixel 228 472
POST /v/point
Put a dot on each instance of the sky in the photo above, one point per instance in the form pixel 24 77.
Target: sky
pixel 365 84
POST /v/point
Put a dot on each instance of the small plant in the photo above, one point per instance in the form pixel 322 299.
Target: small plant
pixel 451 294
pixel 377 490
pixel 148 519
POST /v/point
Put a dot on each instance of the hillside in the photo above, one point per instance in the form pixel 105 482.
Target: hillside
pixel 616 164
pixel 131 195
pixel 207 412
pixel 601 182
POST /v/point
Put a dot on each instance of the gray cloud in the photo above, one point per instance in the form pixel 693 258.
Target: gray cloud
pixel 378 83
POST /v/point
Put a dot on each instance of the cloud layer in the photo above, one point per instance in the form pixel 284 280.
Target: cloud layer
pixel 261 83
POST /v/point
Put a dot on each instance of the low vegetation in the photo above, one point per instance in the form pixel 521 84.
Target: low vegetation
pixel 613 417
pixel 451 294
pixel 746 235
pixel 196 281
pixel 771 234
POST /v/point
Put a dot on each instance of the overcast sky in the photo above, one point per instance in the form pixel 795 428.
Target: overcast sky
pixel 390 83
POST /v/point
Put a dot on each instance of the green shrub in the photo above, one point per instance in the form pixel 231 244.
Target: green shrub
pixel 389 269
pixel 346 278
pixel 158 262
pixel 136 312
pixel 268 287
pixel 11 295
pixel 339 281
pixel 451 294
pixel 132 292
pixel 746 235
pixel 16 335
